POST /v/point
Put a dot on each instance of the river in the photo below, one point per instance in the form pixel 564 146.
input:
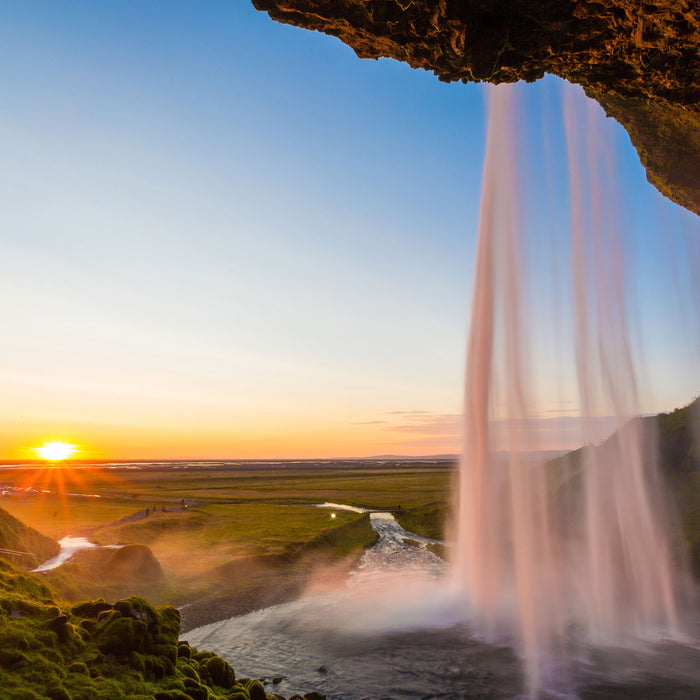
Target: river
pixel 395 631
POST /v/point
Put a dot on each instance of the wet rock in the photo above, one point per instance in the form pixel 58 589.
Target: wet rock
pixel 313 695
pixel 277 680
pixel 322 670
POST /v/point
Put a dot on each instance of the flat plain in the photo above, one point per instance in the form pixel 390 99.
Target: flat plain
pixel 221 537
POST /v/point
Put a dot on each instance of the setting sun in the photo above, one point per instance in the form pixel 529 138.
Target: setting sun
pixel 55 451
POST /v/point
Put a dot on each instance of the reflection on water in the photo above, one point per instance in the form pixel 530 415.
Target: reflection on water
pixel 394 630
pixel 69 547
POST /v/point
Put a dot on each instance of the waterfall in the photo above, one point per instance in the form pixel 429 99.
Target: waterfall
pixel 542 547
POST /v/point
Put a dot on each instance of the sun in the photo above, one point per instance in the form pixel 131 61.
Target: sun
pixel 55 451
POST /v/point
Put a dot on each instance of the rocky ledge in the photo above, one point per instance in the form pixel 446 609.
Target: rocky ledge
pixel 640 59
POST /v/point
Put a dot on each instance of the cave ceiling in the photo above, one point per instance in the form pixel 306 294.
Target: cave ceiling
pixel 639 59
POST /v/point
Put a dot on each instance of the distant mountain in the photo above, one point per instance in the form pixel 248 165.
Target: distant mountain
pixel 412 458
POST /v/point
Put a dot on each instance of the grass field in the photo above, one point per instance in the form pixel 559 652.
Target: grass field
pixel 217 525
pixel 217 492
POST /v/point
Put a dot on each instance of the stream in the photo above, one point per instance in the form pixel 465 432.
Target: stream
pixel 394 630
pixel 69 547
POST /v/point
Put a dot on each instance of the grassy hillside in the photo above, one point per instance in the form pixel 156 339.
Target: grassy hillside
pixel 679 458
pixel 246 533
pixel 673 439
pixel 112 574
pixel 671 442
pixel 429 520
pixel 95 650
pixel 30 547
pixel 255 582
pixel 215 587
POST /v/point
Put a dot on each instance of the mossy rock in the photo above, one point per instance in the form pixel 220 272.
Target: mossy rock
pixel 122 636
pixel 13 659
pixel 189 669
pixel 137 608
pixel 91 608
pixel 196 690
pixel 78 667
pixel 256 691
pixel 23 694
pixel 95 650
pixel 220 672
pixel 171 695
pixel 58 692
pixel 158 667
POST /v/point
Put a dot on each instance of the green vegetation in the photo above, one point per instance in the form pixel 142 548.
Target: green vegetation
pixel 212 536
pixel 673 437
pixel 50 649
pixel 112 574
pixel 679 457
pixel 673 441
pixel 217 541
pixel 429 520
pixel 221 540
pixel 23 545
pixel 199 519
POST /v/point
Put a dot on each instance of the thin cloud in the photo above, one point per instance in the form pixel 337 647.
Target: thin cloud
pixel 428 423
pixel 409 414
pixel 559 431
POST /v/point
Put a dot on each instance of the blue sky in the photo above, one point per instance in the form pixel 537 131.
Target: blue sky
pixel 223 236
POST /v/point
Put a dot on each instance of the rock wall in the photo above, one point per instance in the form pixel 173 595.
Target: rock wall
pixel 639 58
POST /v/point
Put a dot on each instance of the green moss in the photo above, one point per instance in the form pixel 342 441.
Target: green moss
pixel 98 651
pixel 220 672
pixel 238 695
pixel 18 537
pixel 256 690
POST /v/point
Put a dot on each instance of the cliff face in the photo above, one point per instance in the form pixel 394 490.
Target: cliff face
pixel 639 58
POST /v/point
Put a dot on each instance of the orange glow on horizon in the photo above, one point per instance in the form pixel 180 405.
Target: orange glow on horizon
pixel 279 436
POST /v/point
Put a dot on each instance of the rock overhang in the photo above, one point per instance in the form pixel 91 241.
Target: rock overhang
pixel 639 59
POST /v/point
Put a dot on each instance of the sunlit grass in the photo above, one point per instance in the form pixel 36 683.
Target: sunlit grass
pixel 57 517
pixel 195 541
pixel 230 513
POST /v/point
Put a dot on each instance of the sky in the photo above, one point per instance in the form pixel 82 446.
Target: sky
pixel 223 237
